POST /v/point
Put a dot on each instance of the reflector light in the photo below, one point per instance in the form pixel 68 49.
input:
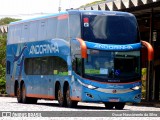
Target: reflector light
pixel 85 20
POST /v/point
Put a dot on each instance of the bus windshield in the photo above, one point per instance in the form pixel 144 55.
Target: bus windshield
pixel 110 29
pixel 112 66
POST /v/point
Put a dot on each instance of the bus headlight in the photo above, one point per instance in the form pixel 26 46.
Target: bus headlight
pixel 136 88
pixel 91 87
pixel 86 85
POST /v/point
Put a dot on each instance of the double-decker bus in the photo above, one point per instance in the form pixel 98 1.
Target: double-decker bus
pixel 88 56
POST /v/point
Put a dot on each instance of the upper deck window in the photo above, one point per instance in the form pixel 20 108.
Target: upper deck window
pixel 62 27
pixel 110 29
pixel 74 26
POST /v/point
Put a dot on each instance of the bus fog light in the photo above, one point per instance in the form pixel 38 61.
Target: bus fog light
pixel 138 96
pixel 89 95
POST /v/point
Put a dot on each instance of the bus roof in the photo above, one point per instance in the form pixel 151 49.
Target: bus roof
pixel 38 18
pixel 85 12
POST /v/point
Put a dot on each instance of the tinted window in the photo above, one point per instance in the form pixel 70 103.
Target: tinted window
pixel 8 67
pixel 62 28
pixel 74 24
pixel 112 66
pixel 46 66
pixel 110 29
pixel 11 34
pixel 17 34
pixel 42 29
pixel 28 66
pixel 25 32
pixel 51 28
pixel 33 31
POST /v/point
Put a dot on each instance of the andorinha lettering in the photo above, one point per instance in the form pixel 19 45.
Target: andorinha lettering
pixel 44 49
pixel 113 47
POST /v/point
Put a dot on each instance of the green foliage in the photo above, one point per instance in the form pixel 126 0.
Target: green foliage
pixel 2 50
pixel 2 63
pixel 2 79
pixel 3 38
pixel 92 3
pixel 7 20
pixel 144 75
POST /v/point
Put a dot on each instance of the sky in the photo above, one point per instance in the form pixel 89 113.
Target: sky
pixel 27 8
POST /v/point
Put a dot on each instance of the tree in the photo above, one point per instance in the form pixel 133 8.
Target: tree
pixel 2 63
pixel 7 20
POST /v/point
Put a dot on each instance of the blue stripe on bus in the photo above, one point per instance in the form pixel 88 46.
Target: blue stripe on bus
pixel 113 47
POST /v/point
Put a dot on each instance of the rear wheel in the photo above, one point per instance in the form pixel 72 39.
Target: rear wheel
pixel 19 94
pixel 119 105
pixel 24 98
pixel 60 97
pixel 109 105
pixel 70 103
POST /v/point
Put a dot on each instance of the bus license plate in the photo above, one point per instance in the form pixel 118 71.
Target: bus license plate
pixel 114 100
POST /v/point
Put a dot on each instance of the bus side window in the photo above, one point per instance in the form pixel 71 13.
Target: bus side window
pixel 33 33
pixel 74 26
pixel 62 28
pixel 8 67
pixel 37 66
pixel 51 28
pixel 25 32
pixel 77 64
pixel 59 66
pixel 42 29
pixel 28 66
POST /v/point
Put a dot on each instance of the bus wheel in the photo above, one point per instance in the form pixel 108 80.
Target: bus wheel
pixel 24 98
pixel 19 95
pixel 109 105
pixel 120 105
pixel 70 103
pixel 60 97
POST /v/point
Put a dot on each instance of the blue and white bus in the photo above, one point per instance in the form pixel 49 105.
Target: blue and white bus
pixel 88 56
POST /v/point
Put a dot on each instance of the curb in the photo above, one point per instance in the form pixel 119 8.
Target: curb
pixel 4 95
pixel 147 104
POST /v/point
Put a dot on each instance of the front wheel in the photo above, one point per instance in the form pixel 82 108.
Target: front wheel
pixel 109 105
pixel 70 103
pixel 119 105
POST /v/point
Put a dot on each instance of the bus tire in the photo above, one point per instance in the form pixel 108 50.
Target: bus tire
pixel 60 97
pixel 19 94
pixel 109 105
pixel 24 98
pixel 70 103
pixel 120 105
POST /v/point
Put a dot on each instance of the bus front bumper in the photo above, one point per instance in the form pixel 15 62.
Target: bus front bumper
pixel 111 95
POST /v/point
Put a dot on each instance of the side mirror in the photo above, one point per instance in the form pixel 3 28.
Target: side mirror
pixel 150 50
pixel 83 48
